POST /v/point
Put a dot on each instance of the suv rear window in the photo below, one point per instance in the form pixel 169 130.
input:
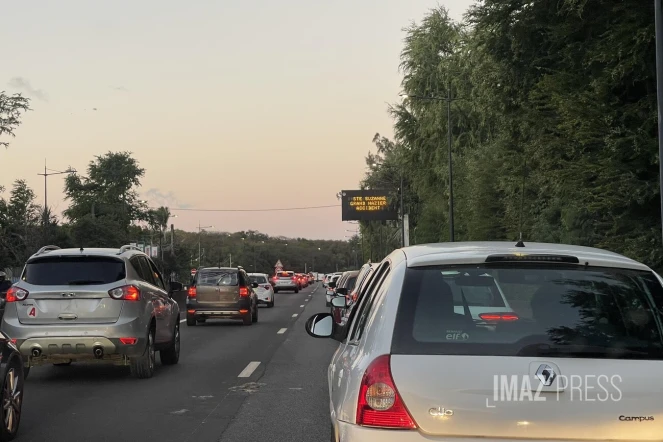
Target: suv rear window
pixel 214 277
pixel 552 312
pixel 75 270
pixel 258 279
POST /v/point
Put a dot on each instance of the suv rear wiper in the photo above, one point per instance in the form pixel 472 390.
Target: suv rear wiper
pixel 84 282
pixel 542 349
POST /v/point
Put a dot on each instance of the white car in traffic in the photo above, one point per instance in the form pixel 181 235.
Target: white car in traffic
pixel 265 290
pixel 576 357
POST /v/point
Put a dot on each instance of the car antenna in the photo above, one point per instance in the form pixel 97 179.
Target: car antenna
pixel 520 242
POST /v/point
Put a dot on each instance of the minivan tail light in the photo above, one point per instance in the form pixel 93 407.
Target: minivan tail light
pixel 192 292
pixel 380 405
pixel 16 294
pixel 244 291
pixel 125 293
pixel 503 317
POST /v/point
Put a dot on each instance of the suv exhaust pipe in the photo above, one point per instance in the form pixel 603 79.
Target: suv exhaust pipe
pixel 98 352
pixel 36 352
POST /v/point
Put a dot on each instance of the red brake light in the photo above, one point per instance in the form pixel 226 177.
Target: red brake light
pixel 192 292
pixel 16 294
pixel 243 291
pixel 125 293
pixel 128 341
pixel 379 403
pixel 498 316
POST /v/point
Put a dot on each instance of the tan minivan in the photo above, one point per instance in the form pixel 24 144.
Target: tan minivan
pixel 221 293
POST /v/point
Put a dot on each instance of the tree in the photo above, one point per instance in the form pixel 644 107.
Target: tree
pixel 19 224
pixel 11 108
pixel 106 198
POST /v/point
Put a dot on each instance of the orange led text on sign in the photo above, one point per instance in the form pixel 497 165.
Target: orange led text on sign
pixel 368 203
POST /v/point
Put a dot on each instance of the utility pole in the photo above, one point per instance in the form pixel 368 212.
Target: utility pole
pixel 199 234
pixel 658 19
pixel 46 174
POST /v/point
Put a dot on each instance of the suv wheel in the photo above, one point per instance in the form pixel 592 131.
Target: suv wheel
pixel 171 354
pixel 143 366
pixel 190 321
pixel 254 317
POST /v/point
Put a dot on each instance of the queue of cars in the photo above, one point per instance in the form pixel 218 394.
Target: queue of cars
pixel 435 334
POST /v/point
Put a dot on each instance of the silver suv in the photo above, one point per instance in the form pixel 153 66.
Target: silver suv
pixel 96 305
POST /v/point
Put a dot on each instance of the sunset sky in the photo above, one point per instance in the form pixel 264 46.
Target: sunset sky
pixel 226 104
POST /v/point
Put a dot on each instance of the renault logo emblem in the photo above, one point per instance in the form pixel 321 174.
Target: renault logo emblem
pixel 546 374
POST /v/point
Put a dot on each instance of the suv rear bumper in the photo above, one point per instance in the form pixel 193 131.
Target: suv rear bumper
pixel 211 311
pixel 76 341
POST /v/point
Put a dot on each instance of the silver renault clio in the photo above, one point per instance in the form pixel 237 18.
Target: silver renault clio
pixel 94 305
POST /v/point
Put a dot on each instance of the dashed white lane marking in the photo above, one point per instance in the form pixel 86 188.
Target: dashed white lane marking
pixel 280 332
pixel 248 371
pixel 182 320
pixel 301 305
pixel 295 315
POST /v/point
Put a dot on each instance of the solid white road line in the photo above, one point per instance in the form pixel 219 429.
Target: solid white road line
pixel 280 332
pixel 248 371
pixel 295 315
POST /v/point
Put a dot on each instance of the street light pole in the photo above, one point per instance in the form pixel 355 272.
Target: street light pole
pixel 658 19
pixel 449 99
pixel 451 180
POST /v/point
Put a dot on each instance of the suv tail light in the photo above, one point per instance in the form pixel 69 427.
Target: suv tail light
pixel 379 403
pixel 244 292
pixel 16 294
pixel 192 292
pixel 125 293
pixel 507 317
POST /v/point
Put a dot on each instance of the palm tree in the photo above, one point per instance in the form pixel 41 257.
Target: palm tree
pixel 159 221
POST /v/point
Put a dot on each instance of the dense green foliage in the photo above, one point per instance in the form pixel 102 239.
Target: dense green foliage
pixel 553 126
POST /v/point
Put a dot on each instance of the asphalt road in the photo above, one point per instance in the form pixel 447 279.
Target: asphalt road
pixel 266 382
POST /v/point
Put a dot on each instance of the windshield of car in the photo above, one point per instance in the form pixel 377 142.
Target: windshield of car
pixel 560 312
pixel 214 277
pixel 258 279
pixel 75 270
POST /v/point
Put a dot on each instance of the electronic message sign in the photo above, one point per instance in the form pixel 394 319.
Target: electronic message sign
pixel 367 205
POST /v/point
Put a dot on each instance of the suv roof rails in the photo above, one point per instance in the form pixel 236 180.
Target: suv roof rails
pixel 47 249
pixel 128 247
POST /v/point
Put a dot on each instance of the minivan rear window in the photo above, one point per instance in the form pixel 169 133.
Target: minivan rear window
pixel 74 270
pixel 549 312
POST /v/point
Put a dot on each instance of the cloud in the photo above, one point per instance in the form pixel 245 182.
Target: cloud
pixel 120 88
pixel 156 198
pixel 24 85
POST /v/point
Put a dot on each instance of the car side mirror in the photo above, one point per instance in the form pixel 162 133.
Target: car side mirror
pixel 320 325
pixel 254 285
pixel 176 286
pixel 339 302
